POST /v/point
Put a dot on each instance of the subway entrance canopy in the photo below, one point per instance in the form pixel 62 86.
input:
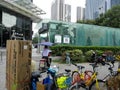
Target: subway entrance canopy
pixel 24 7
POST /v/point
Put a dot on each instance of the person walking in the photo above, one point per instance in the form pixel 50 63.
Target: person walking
pixel 45 55
pixel 68 60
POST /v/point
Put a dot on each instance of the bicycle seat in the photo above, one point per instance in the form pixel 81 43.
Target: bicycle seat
pixel 80 67
pixel 67 70
pixel 93 65
pixel 36 74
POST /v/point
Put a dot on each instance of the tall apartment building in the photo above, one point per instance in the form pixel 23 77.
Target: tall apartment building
pixel 115 2
pixel 80 13
pixel 57 10
pixel 111 3
pixel 60 11
pixel 67 13
pixel 95 7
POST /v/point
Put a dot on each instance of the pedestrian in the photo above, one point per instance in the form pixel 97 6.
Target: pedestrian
pixel 45 55
pixel 68 61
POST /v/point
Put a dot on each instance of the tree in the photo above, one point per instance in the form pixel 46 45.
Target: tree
pixel 35 38
pixel 111 18
pixel 86 21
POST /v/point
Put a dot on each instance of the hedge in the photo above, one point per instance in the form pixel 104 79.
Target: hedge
pixel 58 50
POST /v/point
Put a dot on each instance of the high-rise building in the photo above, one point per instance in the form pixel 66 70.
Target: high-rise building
pixel 96 7
pixel 60 11
pixel 80 13
pixel 111 3
pixel 57 10
pixel 67 12
pixel 115 2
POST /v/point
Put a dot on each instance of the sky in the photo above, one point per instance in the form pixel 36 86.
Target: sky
pixel 45 5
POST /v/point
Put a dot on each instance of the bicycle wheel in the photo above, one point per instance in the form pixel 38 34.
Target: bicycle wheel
pixel 101 83
pixel 75 77
pixel 77 87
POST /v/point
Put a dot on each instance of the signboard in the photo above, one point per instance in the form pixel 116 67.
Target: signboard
pixel 58 39
pixel 66 39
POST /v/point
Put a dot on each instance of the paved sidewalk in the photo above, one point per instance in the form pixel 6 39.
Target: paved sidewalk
pixel 2 68
pixel 37 56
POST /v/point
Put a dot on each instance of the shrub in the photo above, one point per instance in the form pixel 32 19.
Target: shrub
pixel 75 55
pixel 89 53
pixel 117 56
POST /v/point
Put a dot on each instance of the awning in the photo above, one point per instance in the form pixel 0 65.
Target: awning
pixel 24 7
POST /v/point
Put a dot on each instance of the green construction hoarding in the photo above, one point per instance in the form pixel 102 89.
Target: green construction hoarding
pixel 81 34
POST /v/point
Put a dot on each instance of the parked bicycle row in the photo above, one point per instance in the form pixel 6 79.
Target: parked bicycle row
pixel 80 79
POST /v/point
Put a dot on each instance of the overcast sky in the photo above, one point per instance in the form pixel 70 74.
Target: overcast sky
pixel 45 5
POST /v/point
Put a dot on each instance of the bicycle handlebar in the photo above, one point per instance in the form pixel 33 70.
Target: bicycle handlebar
pixel 78 66
pixel 74 64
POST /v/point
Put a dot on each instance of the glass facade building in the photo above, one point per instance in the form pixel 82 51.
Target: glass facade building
pixel 23 25
pixel 96 7
pixel 115 2
pixel 17 16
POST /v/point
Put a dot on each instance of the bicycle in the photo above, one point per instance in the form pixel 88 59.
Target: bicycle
pixel 88 79
pixel 61 81
pixel 79 76
pixel 113 78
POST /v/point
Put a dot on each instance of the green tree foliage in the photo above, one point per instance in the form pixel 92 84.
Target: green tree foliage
pixel 110 19
pixel 35 39
pixel 86 21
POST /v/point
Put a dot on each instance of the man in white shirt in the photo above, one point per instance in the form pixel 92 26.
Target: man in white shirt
pixel 45 54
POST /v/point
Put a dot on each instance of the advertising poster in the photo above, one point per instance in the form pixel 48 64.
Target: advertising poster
pixel 58 39
pixel 66 39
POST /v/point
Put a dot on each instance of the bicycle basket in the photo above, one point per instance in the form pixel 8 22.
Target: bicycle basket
pixel 63 82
